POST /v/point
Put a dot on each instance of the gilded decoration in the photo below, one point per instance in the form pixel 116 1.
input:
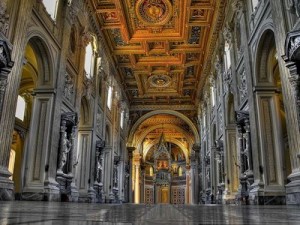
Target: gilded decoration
pixel 154 12
pixel 159 47
pixel 160 81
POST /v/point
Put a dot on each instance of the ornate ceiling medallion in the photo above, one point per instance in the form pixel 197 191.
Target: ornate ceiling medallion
pixel 154 12
pixel 160 81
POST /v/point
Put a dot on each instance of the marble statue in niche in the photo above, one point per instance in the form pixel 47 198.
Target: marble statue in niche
pixel 69 86
pixel 65 163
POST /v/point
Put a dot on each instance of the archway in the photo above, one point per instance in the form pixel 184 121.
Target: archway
pixel 190 124
pixel 33 113
pixel 84 159
pixel 274 150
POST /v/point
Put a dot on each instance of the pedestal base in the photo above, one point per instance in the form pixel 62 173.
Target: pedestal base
pixel 258 196
pixel 68 190
pixel 98 188
pixel 6 186
pixel 52 192
pixel 293 190
pixel 92 195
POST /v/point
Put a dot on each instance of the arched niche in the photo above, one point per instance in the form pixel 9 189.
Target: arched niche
pixel 85 112
pixel 274 149
pixel 43 61
pixel 108 139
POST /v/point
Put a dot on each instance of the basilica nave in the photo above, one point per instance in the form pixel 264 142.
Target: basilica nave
pixel 167 104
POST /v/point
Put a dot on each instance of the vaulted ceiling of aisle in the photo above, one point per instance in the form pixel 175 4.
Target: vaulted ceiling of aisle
pixel 162 48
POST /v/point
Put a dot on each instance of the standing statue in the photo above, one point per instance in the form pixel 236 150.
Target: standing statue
pixel 66 148
pixel 99 171
pixel 115 176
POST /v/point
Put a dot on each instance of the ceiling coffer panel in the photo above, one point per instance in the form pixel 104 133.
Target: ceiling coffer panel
pixel 158 45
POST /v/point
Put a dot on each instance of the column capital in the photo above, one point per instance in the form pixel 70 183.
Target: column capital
pixel 130 151
pixel 137 159
pixel 196 147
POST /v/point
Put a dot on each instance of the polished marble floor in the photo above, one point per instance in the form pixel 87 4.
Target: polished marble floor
pixel 54 213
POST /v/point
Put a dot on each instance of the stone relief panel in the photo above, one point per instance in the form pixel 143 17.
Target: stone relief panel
pixel 69 87
pixel 243 86
pixel 238 41
pixel 220 122
pixel 99 124
pixel 227 80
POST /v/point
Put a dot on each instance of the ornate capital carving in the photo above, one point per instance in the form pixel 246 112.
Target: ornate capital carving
pixel 292 46
pixel 5 59
pixel 117 159
pixel 196 147
pixel 87 37
pixel 241 116
pixel 130 151
pixel 218 65
pixel 294 7
pixel 70 118
pixel 4 18
pixel 3 84
pixel 100 144
pixel 238 6
pixel 212 81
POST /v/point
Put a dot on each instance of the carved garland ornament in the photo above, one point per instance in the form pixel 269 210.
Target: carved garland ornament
pixel 154 12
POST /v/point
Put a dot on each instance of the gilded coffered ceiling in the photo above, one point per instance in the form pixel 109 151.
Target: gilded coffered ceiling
pixel 160 47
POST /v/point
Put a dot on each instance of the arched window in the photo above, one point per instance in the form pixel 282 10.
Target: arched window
pixel 254 4
pixel 89 61
pixel 180 171
pixel 51 7
pixel 21 105
pixel 122 119
pixel 227 57
pixel 213 93
pixel 109 97
pixel 151 171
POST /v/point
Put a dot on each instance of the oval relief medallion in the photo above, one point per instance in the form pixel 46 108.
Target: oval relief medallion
pixel 154 12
